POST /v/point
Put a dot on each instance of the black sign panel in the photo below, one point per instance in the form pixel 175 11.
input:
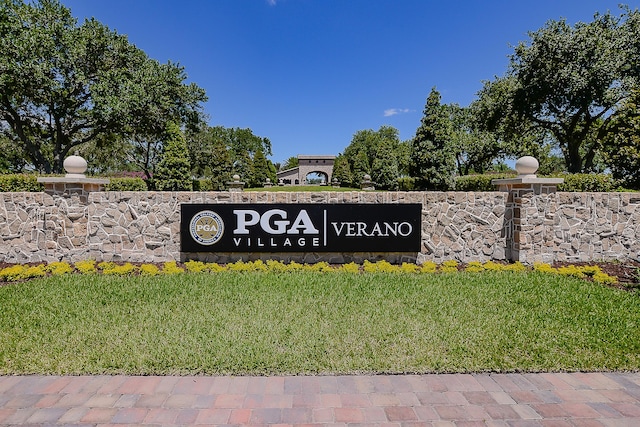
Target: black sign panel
pixel 300 227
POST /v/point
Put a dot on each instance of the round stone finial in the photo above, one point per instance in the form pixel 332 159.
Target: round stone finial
pixel 367 177
pixel 236 177
pixel 75 165
pixel 527 165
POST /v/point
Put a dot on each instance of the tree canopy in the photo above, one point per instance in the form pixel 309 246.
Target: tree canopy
pixel 365 148
pixel 63 84
pixel 432 154
pixel 568 83
pixel 216 153
pixel 174 170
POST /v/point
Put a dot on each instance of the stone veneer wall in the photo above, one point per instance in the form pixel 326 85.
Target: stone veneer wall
pixel 144 226
pixel 576 227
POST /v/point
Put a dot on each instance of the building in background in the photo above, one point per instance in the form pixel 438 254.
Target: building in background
pixel 309 167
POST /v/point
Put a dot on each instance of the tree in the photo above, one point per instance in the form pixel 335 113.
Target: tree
pixel 290 163
pixel 369 140
pixel 384 170
pixel 569 82
pixel 360 168
pixel 107 154
pixel 494 112
pixel 622 147
pixel 403 155
pixel 243 140
pixel 261 170
pixel 273 171
pixel 210 156
pixel 63 85
pixel 243 166
pixel 342 171
pixel 364 147
pixel 174 171
pixel 432 155
pixel 475 150
pixel 13 158
pixel 218 152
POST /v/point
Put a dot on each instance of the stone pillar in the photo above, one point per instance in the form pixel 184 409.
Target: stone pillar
pixel 65 223
pixel 519 225
pixel 236 184
pixel 74 183
pixel 367 184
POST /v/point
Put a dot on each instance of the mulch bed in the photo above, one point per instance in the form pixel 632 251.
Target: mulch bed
pixel 627 272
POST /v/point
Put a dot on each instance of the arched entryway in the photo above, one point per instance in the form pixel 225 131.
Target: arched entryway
pixel 316 178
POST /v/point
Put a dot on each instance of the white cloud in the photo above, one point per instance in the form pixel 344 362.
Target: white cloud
pixel 272 2
pixel 393 111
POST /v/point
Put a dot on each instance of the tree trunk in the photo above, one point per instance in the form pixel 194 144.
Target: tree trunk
pixel 574 164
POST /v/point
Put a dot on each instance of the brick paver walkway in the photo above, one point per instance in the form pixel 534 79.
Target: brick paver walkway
pixel 576 399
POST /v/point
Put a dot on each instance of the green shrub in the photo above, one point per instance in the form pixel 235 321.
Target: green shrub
pixel 126 184
pixel 203 184
pixel 406 184
pixel 19 182
pixel 579 182
pixel 479 182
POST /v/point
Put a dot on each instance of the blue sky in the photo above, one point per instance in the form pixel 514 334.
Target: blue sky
pixel 309 74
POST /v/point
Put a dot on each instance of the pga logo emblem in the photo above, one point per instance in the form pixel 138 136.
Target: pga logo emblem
pixel 206 228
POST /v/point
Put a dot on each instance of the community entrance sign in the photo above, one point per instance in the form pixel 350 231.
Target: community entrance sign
pixel 300 228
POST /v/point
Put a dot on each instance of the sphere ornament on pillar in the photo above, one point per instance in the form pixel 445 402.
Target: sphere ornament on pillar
pixel 527 180
pixel 75 166
pixel 527 166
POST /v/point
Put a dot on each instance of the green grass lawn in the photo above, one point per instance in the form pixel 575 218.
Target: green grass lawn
pixel 309 323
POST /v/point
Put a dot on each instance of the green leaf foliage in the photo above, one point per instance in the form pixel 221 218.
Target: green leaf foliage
pixel 126 184
pixel 588 182
pixel 406 183
pixel 174 171
pixel 384 170
pixel 361 168
pixel 342 171
pixel 479 182
pixel 432 155
pixel 261 169
pixel 579 182
pixel 622 147
pixel 365 148
pixel 566 84
pixel 64 84
pixel 290 163
pixel 19 182
pixel 210 156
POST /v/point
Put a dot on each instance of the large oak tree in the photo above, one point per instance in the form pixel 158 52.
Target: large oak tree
pixel 568 83
pixel 63 84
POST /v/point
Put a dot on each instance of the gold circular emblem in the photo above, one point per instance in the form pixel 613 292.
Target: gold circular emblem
pixel 206 227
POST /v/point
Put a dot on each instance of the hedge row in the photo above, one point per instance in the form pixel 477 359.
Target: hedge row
pixel 19 182
pixel 579 182
pixel 572 183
